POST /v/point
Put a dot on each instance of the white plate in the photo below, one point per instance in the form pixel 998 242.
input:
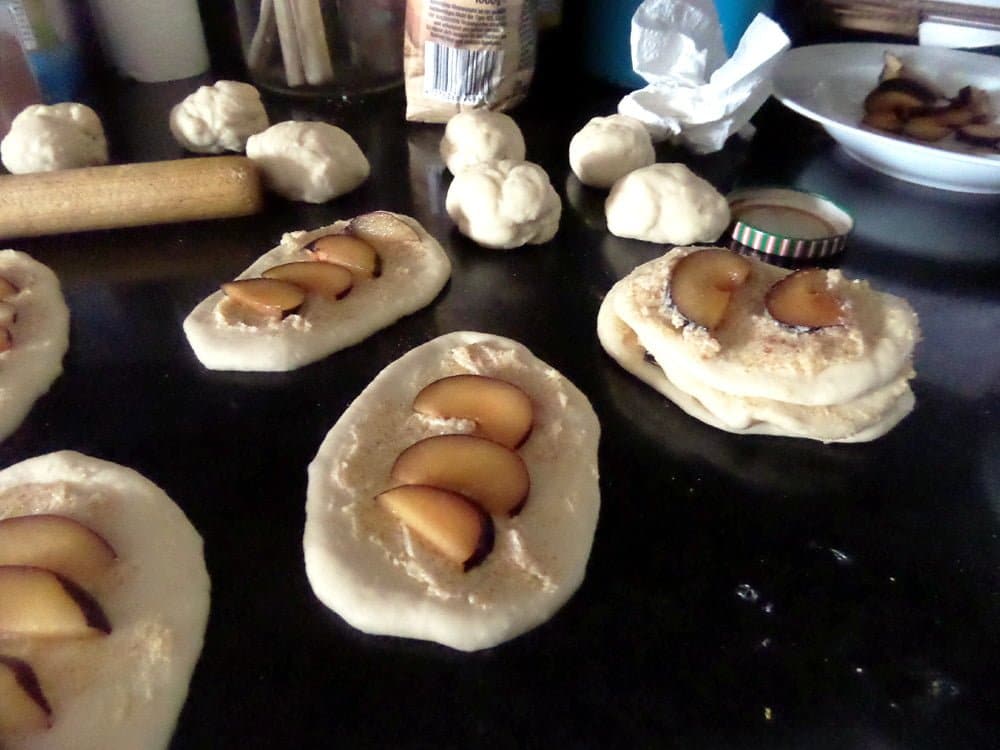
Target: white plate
pixel 828 83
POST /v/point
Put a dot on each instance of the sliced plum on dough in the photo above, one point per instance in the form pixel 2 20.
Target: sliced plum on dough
pixel 702 283
pixel 487 472
pixel 502 411
pixel 447 521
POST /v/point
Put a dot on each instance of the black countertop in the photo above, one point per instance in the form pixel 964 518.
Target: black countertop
pixel 742 591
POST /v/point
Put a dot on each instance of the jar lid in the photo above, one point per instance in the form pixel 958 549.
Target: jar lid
pixel 788 223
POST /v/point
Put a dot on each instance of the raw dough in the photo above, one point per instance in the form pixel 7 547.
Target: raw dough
pixel 841 384
pixel 38 321
pixel 607 148
pixel 218 118
pixel 121 691
pixel 479 136
pixel 308 161
pixel 504 204
pixel 666 203
pixel 44 138
pixel 413 272
pixel 363 564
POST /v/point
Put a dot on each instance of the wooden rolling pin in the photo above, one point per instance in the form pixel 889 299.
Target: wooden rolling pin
pixel 128 195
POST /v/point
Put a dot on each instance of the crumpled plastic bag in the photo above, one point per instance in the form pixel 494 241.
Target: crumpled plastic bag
pixel 696 96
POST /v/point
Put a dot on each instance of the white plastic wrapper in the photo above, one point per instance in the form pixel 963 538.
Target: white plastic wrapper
pixel 695 95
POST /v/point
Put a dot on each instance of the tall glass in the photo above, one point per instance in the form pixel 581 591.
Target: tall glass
pixel 18 87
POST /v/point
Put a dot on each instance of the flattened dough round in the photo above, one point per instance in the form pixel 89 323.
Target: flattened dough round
pixel 124 690
pixel 413 273
pixel 363 564
pixel 40 335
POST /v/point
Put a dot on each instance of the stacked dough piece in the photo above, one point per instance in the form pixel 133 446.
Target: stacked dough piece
pixel 752 373
pixel 497 198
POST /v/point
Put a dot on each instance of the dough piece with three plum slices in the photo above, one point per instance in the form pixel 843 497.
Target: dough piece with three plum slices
pixel 367 534
pixel 106 667
pixel 297 303
pixel 34 335
pixel 842 380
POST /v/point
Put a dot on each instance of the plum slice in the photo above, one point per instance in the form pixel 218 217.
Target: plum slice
pixel 702 282
pixel 802 300
pixel 271 297
pixel 926 128
pixel 484 471
pixel 980 135
pixel 887 120
pixel 353 253
pixel 325 279
pixel 502 411
pixel 37 602
pixel 23 707
pixel 381 226
pixel 58 543
pixel 899 95
pixel 447 521
pixel 7 288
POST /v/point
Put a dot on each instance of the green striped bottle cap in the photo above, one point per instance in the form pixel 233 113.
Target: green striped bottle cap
pixel 787 223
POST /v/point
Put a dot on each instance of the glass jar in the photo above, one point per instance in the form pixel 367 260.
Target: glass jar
pixel 328 48
pixel 18 87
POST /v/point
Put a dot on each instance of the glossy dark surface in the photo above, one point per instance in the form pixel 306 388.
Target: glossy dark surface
pixel 742 591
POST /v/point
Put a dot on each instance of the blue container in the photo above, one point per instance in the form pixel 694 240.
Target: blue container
pixel 608 24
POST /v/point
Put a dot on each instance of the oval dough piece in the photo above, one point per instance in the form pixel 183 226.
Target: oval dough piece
pixel 364 565
pixel 608 148
pixel 124 690
pixel 504 204
pixel 479 136
pixel 413 273
pixel 308 161
pixel 218 118
pixel 46 138
pixel 666 203
pixel 40 335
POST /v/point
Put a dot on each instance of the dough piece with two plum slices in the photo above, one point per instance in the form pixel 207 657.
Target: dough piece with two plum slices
pixel 34 335
pixel 104 599
pixel 456 499
pixel 754 349
pixel 319 292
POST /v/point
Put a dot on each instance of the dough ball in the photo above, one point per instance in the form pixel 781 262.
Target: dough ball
pixel 479 136
pixel 44 138
pixel 218 118
pixel 504 204
pixel 666 203
pixel 308 161
pixel 607 148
